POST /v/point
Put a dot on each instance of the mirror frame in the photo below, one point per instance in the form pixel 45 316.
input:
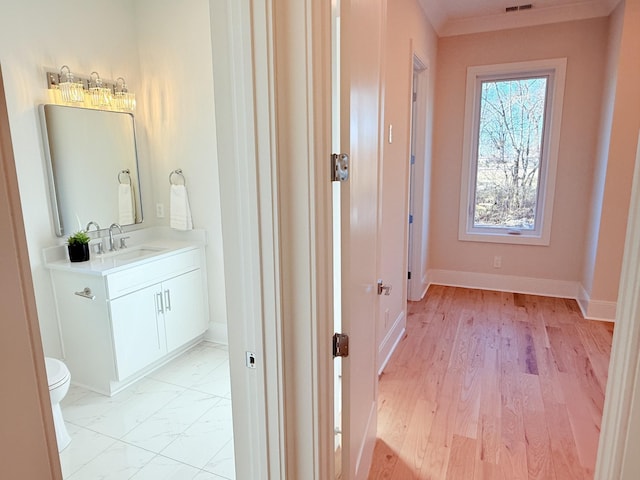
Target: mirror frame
pixel 60 229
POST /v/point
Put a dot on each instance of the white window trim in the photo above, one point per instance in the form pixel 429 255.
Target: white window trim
pixel 551 144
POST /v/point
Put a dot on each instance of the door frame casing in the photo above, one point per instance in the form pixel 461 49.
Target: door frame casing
pixel 269 82
pixel 420 236
pixel 618 437
pixel 302 49
pixel 242 46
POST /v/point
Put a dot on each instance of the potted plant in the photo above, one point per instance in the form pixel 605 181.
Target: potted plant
pixel 78 245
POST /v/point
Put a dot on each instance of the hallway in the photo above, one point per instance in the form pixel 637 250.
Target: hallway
pixel 492 385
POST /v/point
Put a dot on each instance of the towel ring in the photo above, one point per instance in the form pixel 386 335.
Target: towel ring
pixel 126 172
pixel 178 172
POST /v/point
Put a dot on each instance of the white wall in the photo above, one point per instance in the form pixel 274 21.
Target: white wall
pixel 620 159
pixel 408 33
pixel 177 109
pixel 602 154
pixel 36 36
pixel 583 43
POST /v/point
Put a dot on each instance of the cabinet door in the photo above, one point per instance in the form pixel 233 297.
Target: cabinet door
pixel 137 336
pixel 184 316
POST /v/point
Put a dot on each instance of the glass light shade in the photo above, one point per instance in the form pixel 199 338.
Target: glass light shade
pixel 71 91
pixel 122 98
pixel 99 94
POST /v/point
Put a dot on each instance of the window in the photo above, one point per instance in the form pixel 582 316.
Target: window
pixel 512 129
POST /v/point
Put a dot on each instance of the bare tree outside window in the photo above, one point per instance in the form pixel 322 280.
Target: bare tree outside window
pixel 510 139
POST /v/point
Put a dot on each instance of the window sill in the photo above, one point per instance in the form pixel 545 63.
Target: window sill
pixel 493 237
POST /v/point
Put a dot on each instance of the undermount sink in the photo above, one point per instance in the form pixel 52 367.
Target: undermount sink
pixel 127 255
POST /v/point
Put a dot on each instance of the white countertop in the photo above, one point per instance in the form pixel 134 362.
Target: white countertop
pixel 144 247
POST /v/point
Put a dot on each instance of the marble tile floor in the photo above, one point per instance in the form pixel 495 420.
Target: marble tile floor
pixel 175 423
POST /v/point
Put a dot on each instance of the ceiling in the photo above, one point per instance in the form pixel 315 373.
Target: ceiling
pixel 456 17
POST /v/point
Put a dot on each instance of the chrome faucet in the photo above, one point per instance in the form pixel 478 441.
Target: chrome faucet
pixel 98 245
pixel 95 224
pixel 112 247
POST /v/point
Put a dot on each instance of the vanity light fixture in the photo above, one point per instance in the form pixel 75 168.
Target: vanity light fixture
pixel 92 91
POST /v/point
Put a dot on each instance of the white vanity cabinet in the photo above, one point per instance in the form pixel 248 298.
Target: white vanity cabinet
pixel 134 319
pixel 165 317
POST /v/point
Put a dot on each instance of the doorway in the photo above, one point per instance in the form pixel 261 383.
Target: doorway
pixel 418 183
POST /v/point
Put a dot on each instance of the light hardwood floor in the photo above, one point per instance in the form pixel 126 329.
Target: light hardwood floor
pixel 492 386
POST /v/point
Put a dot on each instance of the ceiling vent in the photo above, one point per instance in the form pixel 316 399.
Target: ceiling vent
pixel 516 8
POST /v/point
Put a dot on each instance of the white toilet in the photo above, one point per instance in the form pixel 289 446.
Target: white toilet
pixel 59 379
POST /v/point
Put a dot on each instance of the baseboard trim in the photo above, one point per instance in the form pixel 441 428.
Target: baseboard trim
pixel 591 309
pixel 426 281
pixel 391 340
pixel 217 333
pixel 596 309
pixel 417 290
pixel 505 283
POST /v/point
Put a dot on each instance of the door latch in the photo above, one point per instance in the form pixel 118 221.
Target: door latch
pixel 340 345
pixel 339 167
pixel 383 289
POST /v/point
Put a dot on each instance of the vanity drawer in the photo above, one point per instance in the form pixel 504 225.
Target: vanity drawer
pixel 141 276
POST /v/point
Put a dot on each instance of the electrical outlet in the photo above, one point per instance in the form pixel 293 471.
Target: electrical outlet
pixel 497 261
pixel 160 210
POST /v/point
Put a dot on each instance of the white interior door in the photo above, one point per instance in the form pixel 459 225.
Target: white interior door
pixel 361 61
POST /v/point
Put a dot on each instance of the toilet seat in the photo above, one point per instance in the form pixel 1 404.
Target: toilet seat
pixel 58 378
pixel 57 372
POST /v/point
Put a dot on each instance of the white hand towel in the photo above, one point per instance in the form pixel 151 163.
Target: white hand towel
pixel 126 209
pixel 180 211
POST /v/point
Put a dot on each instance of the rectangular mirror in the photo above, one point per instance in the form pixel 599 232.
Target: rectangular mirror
pixel 93 167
